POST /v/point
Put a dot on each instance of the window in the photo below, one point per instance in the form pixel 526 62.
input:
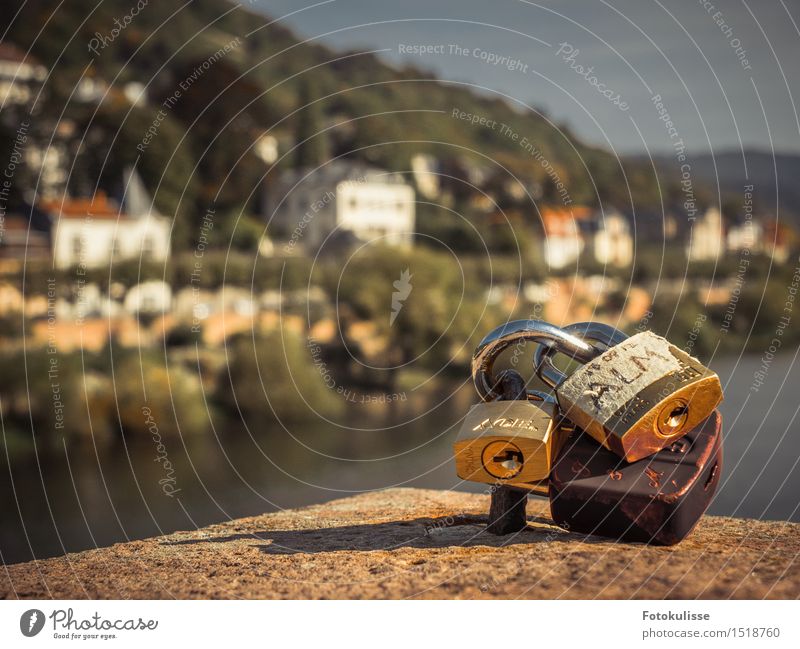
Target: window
pixel 77 247
pixel 147 247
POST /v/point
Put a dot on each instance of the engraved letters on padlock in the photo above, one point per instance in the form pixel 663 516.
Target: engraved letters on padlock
pixel 640 395
pixel 509 442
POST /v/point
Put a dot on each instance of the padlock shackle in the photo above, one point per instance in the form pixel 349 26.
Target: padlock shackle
pixel 602 336
pixel 517 331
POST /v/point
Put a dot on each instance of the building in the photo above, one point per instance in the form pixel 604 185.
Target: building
pixel 748 235
pixel 571 232
pixel 609 238
pixel 563 241
pixel 307 206
pixel 93 232
pixel 425 169
pixel 22 243
pixel 21 75
pixel 707 237
pixel 149 298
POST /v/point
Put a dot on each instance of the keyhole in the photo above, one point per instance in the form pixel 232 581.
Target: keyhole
pixel 511 460
pixel 502 459
pixel 672 418
pixel 677 416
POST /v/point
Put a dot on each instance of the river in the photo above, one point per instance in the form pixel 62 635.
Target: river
pixel 84 496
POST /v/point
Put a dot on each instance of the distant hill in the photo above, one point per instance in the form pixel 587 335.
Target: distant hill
pixel 376 112
pixel 775 179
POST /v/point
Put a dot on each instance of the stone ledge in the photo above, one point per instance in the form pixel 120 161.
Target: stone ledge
pixel 411 543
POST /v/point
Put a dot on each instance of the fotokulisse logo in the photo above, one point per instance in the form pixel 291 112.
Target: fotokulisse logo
pixel 402 291
pixel 32 622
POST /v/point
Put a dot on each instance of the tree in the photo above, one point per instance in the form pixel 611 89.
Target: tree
pixel 312 146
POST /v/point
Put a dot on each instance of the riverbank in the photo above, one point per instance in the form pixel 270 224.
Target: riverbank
pixel 413 543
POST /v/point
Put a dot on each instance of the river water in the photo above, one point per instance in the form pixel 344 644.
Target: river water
pixel 83 497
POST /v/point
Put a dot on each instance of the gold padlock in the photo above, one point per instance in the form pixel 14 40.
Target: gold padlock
pixel 638 396
pixel 513 437
pixel 508 442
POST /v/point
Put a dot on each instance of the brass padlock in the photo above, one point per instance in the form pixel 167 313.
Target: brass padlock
pixel 509 442
pixel 511 438
pixel 637 397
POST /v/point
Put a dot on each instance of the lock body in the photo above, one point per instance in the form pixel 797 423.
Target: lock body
pixel 639 396
pixel 508 442
pixel 655 500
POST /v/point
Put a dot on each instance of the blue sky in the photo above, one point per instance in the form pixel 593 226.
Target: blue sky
pixel 637 48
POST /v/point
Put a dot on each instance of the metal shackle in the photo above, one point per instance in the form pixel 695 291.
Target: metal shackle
pixel 517 331
pixel 601 336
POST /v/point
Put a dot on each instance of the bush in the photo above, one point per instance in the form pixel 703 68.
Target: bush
pixel 276 374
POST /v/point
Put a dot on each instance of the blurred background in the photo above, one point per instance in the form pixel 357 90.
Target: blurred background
pixel 247 249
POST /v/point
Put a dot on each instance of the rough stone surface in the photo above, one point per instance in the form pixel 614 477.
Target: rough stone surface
pixel 408 543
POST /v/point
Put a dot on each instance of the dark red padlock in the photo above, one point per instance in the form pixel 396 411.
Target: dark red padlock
pixel 658 499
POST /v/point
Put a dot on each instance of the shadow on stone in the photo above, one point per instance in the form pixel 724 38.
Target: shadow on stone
pixel 449 531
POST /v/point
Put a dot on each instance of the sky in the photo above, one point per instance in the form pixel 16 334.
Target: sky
pixel 725 73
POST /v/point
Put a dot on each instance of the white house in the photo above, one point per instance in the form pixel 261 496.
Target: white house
pixel 563 242
pixel 426 174
pixel 307 206
pixel 93 232
pixel 748 235
pixel 707 240
pixel 612 243
pixel 149 298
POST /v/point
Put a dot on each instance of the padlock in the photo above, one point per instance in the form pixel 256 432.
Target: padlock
pixel 511 440
pixel 656 500
pixel 512 437
pixel 637 397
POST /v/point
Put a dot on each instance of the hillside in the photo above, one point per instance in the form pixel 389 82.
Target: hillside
pixel 243 76
pixel 774 177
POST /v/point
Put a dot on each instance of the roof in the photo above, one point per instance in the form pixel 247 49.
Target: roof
pixel 10 52
pixel 135 203
pixel 563 221
pixel 338 171
pixel 97 207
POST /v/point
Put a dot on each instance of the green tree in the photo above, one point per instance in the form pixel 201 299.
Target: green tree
pixel 312 145
pixel 277 374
